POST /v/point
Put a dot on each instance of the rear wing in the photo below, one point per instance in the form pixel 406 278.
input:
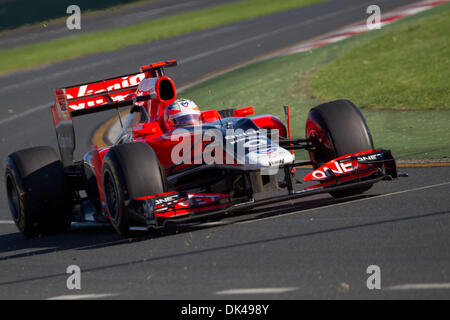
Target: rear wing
pixel 97 96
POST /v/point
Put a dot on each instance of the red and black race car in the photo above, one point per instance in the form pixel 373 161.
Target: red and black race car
pixel 154 173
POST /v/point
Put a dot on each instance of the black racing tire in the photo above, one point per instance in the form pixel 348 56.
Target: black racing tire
pixel 38 193
pixel 339 128
pixel 129 171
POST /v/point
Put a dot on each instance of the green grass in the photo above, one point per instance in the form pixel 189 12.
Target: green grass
pixel 268 85
pixel 113 39
pixel 407 69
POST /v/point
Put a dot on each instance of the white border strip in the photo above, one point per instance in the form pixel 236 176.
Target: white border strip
pixel 360 28
pixel 420 286
pixel 6 222
pixel 256 291
pixel 83 296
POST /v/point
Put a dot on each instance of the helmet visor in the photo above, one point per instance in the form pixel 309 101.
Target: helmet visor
pixel 186 120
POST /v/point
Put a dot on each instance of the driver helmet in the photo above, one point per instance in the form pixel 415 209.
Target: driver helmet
pixel 182 112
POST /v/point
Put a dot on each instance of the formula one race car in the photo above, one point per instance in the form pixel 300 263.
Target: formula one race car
pixel 155 172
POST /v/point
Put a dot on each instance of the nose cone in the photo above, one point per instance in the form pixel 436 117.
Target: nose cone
pixel 273 156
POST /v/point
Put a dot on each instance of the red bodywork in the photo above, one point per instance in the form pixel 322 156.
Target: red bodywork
pixel 156 133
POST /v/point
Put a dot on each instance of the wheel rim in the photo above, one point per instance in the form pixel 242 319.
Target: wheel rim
pixel 111 196
pixel 13 198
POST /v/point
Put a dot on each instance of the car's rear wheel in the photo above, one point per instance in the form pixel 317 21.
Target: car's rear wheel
pixel 130 171
pixel 338 128
pixel 38 194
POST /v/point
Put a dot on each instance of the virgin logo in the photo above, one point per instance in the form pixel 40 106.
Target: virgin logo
pixel 339 168
pixel 107 87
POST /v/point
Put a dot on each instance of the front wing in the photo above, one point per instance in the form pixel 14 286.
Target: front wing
pixel 351 171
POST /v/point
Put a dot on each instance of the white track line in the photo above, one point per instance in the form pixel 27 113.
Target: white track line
pixel 420 286
pixel 256 291
pixel 26 113
pixel 83 296
pixel 350 202
pixel 6 222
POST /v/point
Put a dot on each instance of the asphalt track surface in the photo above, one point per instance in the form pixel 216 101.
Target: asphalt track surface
pixel 312 248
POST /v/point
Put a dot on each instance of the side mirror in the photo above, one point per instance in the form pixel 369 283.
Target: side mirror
pixel 243 112
pixel 210 116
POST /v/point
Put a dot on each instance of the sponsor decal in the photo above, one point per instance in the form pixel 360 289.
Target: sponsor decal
pixel 371 157
pixel 269 151
pixel 239 135
pixel 104 91
pixel 165 200
pixel 276 162
pixel 332 169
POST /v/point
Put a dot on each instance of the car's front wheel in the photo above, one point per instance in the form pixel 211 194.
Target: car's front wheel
pixel 129 171
pixel 338 128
